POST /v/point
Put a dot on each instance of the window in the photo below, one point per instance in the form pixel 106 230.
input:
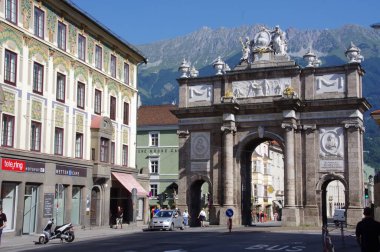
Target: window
pixel 38 77
pixel 113 66
pixel 153 139
pixel 35 141
pixel 61 40
pixel 112 152
pixel 81 47
pixel 58 141
pixel 39 17
pixel 81 95
pixel 126 73
pixel 153 164
pixel 78 145
pixel 8 129
pixel 153 190
pixel 98 102
pixel 104 149
pixel 112 108
pixel 11 10
pixel 125 155
pixel 61 85
pixel 126 113
pixel 98 57
pixel 10 67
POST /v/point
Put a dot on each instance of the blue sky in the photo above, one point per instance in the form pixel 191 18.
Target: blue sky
pixel 146 21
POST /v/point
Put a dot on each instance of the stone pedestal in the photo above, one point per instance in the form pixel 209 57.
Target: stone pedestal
pixel 312 216
pixel 291 217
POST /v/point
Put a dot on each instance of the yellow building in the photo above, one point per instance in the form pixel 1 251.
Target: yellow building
pixel 69 99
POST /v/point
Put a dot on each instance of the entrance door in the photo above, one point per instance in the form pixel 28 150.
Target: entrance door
pixel 30 209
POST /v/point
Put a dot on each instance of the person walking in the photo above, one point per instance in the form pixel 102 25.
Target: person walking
pixel 185 216
pixel 3 222
pixel 367 232
pixel 202 217
pixel 119 217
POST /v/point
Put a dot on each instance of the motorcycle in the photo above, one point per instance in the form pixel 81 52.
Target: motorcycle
pixel 66 231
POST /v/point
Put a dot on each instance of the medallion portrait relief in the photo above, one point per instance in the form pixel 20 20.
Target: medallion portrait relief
pixel 200 145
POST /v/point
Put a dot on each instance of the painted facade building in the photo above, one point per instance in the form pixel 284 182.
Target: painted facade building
pixel 157 153
pixel 69 89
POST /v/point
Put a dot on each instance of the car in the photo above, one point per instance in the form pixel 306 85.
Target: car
pixel 166 220
pixel 339 216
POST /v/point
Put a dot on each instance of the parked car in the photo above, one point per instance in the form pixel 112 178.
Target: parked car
pixel 166 220
pixel 339 216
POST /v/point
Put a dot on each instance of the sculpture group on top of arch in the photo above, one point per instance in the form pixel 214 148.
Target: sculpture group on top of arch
pixel 265 41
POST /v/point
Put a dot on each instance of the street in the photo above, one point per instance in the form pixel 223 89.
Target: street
pixel 207 239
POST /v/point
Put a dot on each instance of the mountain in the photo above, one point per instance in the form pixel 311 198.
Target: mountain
pixel 157 79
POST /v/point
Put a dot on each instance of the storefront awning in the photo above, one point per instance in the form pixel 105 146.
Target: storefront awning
pixel 129 182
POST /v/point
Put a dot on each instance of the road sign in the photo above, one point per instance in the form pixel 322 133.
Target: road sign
pixel 229 212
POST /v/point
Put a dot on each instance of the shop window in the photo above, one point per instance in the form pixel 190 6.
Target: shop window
pixel 9 193
pixel 59 204
pixel 75 205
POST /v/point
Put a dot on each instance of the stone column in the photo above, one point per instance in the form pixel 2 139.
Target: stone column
pixel 183 136
pixel 354 172
pixel 290 186
pixel 228 129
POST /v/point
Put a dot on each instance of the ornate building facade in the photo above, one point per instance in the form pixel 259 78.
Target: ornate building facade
pixel 69 89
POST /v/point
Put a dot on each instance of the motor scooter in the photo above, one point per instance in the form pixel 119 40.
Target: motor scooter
pixel 66 232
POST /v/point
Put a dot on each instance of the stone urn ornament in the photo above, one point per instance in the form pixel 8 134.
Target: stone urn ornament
pixel 353 54
pixel 311 59
pixel 193 72
pixel 218 65
pixel 184 69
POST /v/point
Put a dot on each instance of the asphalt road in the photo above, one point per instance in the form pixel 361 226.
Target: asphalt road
pixel 207 239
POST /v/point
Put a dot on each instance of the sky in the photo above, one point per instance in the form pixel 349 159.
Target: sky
pixel 146 21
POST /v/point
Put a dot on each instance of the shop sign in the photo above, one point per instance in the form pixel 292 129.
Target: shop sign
pixel 70 171
pixel 35 167
pixel 13 165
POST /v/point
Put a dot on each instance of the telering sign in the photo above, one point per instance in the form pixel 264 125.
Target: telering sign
pixel 13 165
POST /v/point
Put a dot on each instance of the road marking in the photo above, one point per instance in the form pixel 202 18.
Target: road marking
pixel 288 248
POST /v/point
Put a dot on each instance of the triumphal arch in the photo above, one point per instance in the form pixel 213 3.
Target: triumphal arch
pixel 314 113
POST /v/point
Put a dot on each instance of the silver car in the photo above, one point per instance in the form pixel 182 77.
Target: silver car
pixel 167 220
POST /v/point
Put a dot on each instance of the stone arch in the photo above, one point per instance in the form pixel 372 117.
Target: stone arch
pixel 194 196
pixel 321 191
pixel 244 151
pixel 96 205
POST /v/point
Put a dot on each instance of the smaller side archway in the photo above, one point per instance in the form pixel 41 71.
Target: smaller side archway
pixel 326 182
pixel 199 196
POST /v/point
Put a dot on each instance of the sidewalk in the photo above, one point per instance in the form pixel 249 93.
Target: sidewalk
pixel 25 242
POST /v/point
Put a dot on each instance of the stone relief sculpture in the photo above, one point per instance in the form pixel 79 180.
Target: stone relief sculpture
pixel 331 142
pixel 258 88
pixel 329 83
pixel 200 145
pixel 200 93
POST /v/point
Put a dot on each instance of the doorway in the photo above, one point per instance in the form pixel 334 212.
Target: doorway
pixel 30 209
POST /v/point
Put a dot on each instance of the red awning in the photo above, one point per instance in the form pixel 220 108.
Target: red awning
pixel 129 182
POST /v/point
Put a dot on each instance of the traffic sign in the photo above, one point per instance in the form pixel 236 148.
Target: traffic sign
pixel 229 212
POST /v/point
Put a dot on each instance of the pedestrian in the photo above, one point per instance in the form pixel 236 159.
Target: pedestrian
pixel 368 232
pixel 156 210
pixel 3 222
pixel 275 216
pixel 185 216
pixel 119 217
pixel 202 217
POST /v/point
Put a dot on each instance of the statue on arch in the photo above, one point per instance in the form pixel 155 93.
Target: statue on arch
pixel 279 43
pixel 246 50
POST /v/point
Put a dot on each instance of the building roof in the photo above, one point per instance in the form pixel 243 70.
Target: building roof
pixel 156 115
